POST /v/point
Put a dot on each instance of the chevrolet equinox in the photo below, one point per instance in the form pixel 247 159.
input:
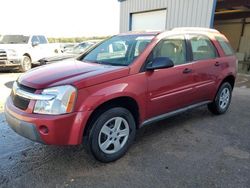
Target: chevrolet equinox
pixel 126 82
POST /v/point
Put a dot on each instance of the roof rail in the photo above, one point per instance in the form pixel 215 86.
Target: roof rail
pixel 195 29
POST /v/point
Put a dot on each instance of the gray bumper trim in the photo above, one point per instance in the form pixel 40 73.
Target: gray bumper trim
pixel 25 129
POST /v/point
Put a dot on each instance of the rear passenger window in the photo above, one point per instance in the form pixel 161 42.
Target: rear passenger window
pixel 225 46
pixel 173 48
pixel 202 48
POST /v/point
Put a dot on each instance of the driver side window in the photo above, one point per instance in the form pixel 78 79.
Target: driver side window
pixel 171 47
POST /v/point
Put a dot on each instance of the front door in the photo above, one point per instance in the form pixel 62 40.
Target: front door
pixel 171 88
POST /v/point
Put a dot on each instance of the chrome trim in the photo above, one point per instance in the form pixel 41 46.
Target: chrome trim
pixel 171 93
pixel 17 91
pixel 173 113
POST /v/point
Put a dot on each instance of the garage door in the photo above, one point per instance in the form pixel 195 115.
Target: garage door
pixel 153 20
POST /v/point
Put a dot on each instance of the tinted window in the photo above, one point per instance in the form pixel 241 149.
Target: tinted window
pixel 173 48
pixel 225 46
pixel 202 48
pixel 42 39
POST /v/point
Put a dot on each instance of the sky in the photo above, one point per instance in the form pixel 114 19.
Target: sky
pixel 60 18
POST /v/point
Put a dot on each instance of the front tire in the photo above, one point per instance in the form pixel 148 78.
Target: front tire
pixel 222 99
pixel 25 64
pixel 112 133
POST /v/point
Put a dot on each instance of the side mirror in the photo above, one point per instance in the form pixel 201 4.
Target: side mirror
pixel 160 63
pixel 35 43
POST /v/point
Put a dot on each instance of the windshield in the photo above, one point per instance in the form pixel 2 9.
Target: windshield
pixel 119 50
pixel 14 39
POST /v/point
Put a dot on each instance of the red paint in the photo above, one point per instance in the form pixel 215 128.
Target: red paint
pixel 155 92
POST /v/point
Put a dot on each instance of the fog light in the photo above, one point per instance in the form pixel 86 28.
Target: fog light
pixel 44 129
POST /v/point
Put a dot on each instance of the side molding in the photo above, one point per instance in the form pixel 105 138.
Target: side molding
pixel 173 113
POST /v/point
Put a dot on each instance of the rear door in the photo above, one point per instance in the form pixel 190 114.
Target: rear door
pixel 171 88
pixel 206 66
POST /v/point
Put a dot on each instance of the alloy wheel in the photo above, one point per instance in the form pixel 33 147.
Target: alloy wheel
pixel 113 135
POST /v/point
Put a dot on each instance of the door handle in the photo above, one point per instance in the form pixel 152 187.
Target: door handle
pixel 187 70
pixel 217 64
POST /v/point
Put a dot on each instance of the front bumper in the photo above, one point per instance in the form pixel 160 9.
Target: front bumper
pixel 26 129
pixel 64 129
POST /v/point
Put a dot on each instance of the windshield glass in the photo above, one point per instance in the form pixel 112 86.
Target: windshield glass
pixel 14 39
pixel 119 50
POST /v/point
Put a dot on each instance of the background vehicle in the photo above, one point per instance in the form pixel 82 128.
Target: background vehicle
pixel 80 48
pixel 66 46
pixel 69 52
pixel 128 81
pixel 19 51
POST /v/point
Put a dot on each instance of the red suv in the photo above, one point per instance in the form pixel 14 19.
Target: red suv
pixel 126 82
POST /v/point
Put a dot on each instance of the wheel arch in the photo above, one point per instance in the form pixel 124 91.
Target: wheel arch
pixel 123 101
pixel 230 79
pixel 28 55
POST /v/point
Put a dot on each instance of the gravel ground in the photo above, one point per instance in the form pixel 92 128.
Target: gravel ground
pixel 194 149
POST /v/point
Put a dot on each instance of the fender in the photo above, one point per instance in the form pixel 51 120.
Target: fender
pixel 92 97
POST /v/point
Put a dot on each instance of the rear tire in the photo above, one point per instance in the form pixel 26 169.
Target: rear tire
pixel 222 99
pixel 25 64
pixel 111 135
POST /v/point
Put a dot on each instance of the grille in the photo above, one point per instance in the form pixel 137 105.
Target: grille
pixel 20 102
pixel 3 56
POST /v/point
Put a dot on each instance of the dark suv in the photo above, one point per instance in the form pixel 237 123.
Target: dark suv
pixel 128 81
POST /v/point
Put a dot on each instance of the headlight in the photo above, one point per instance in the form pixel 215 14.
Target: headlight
pixel 11 53
pixel 63 102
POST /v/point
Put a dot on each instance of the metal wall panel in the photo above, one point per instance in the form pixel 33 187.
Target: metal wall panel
pixel 180 13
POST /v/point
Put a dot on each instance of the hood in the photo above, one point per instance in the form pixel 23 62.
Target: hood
pixel 12 46
pixel 77 73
